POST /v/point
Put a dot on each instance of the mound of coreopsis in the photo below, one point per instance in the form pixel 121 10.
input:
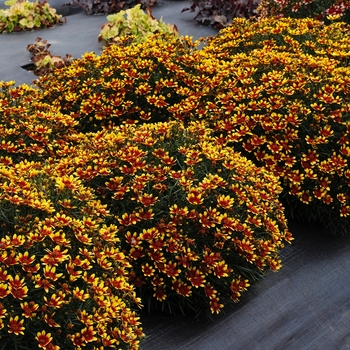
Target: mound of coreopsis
pixel 165 206
pixel 64 282
pixel 284 102
pixel 30 129
pixel 197 221
pixel 63 278
pixel 151 81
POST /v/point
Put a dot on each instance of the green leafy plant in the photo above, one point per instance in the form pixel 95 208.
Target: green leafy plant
pixel 220 13
pixel 43 60
pixel 110 6
pixel 26 15
pixel 325 10
pixel 134 24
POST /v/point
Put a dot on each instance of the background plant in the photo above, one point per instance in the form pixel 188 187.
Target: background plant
pixel 42 58
pixel 324 10
pixel 110 6
pixel 26 15
pixel 220 13
pixel 135 24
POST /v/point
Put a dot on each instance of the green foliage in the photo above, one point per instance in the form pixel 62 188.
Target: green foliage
pixel 133 24
pixel 43 60
pixel 92 7
pixel 25 15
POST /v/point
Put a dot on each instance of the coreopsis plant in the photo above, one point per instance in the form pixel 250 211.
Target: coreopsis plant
pixel 30 129
pixel 134 23
pixel 251 75
pixel 63 278
pixel 198 222
pixel 284 102
pixel 150 81
pixel 325 10
pixel 26 15
pixel 302 60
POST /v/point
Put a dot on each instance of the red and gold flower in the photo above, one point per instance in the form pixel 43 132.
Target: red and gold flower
pixel 43 339
pixel 15 326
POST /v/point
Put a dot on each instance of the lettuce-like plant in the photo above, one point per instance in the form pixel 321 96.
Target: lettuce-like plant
pixel 25 15
pixel 43 60
pixel 134 24
pixel 104 7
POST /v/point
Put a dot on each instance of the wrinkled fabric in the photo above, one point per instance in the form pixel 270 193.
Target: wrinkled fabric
pixel 306 305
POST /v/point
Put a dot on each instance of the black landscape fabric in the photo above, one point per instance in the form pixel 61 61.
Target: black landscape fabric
pixel 306 305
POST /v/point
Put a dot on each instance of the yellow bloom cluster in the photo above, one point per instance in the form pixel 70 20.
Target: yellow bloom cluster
pixel 63 277
pixel 30 128
pixel 192 214
pixel 88 219
pixel 151 81
pixel 287 89
pixel 277 90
